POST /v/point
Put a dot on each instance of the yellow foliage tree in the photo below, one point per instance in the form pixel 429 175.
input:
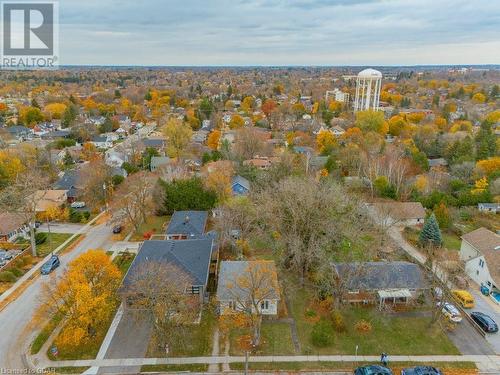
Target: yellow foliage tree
pixel 325 141
pixel 213 139
pixel 236 122
pixel 480 185
pixel 178 136
pixel 422 184
pixel 10 166
pixel 55 110
pixel 489 166
pixel 85 296
pixel 479 97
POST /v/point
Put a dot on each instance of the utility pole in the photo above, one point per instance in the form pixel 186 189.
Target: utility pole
pixel 246 362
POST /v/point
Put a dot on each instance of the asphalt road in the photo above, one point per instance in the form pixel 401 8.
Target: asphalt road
pixel 61 227
pixel 15 319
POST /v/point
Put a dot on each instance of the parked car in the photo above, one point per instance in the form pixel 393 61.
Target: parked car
pixel 451 312
pixel 50 265
pixel 437 292
pixel 5 255
pixel 3 262
pixel 372 370
pixel 117 229
pixel 485 322
pixel 421 370
pixel 464 298
pixel 77 204
pixel 37 224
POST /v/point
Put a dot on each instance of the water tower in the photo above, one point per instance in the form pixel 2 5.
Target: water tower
pixel 368 85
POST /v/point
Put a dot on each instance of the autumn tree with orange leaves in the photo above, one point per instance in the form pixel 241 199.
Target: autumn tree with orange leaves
pixel 213 139
pixel 84 296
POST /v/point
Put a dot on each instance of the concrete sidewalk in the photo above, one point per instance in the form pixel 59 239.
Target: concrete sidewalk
pixel 484 362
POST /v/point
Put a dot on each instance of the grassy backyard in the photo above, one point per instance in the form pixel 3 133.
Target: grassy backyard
pixel 154 224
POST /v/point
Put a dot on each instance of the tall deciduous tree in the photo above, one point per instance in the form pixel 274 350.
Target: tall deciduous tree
pixel 249 289
pixel 133 200
pixel 21 197
pixel 85 297
pixel 178 136
pixel 159 289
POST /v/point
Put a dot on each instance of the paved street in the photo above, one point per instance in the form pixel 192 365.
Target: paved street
pixel 60 227
pixel 16 317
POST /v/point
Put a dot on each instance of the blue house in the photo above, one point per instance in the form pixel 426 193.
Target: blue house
pixel 240 186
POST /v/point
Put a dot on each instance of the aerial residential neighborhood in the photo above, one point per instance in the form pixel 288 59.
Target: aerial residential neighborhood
pixel 260 187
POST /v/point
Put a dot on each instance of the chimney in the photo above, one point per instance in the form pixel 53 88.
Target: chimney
pixel 186 219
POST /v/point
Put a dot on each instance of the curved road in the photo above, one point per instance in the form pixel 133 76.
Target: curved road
pixel 16 319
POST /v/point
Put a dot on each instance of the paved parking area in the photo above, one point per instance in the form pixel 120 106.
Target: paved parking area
pixel 488 307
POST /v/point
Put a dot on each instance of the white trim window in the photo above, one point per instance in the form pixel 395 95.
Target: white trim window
pixel 264 305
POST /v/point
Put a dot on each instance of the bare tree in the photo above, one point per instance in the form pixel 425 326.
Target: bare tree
pixel 237 214
pixel 133 200
pixel 162 290
pixel 22 197
pixel 95 179
pixel 309 218
pixel 249 142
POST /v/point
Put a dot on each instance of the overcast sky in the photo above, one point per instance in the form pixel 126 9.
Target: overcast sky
pixel 279 32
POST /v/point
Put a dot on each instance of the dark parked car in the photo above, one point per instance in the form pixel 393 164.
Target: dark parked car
pixel 372 370
pixel 117 229
pixel 50 265
pixel 485 322
pixel 421 370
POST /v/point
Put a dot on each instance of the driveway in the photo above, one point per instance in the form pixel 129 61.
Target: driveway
pixel 130 340
pixel 488 307
pixel 16 317
pixel 468 340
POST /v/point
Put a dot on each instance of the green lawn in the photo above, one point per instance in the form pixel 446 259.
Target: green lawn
pixel 347 366
pixel 192 341
pixel 451 241
pixel 88 349
pixel 392 334
pixel 44 334
pixel 154 224
pixel 54 240
pixel 276 339
pixel 123 261
pixel 69 370
pixel 175 368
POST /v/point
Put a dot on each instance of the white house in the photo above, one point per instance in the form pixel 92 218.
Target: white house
pixel 489 207
pixel 239 280
pixel 480 251
pixel 397 213
pixel 101 142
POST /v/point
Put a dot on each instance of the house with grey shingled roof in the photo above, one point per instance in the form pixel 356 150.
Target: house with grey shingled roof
pixel 186 225
pixel 192 258
pixel 379 282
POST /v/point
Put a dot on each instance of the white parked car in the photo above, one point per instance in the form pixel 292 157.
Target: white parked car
pixel 451 312
pixel 77 204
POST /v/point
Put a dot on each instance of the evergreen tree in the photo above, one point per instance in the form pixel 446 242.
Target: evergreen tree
pixel 431 234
